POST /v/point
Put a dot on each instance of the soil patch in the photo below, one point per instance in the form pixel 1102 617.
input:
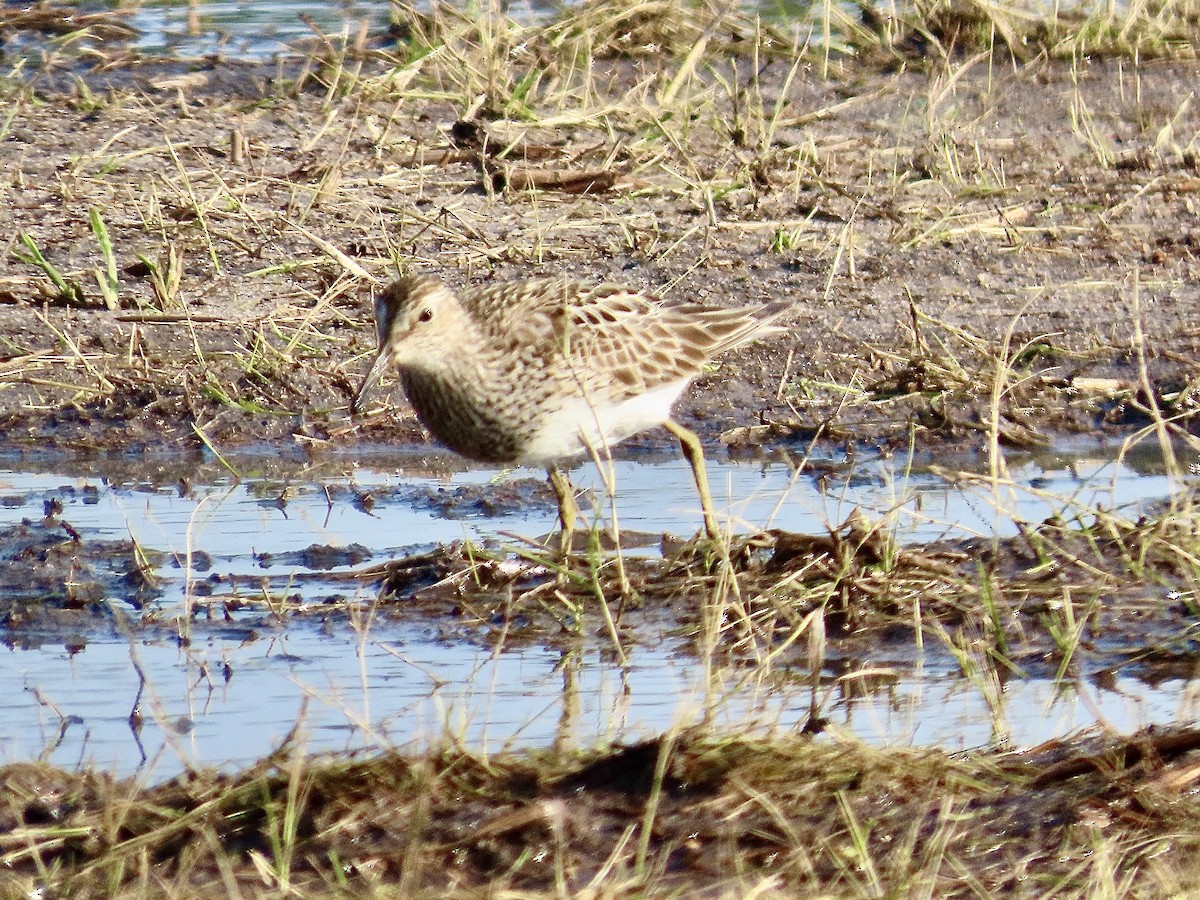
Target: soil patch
pixel 981 251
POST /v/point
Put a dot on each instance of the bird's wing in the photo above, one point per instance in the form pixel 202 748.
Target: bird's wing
pixel 617 342
pixel 620 343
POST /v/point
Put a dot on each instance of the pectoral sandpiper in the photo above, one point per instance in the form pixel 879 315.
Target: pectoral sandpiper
pixel 538 372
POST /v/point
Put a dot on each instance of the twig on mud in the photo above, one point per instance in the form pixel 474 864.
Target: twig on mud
pixel 105 384
pixel 335 254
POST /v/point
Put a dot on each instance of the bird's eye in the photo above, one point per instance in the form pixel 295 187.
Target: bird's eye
pixel 425 315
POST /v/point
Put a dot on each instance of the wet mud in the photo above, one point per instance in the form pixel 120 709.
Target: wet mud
pixel 983 259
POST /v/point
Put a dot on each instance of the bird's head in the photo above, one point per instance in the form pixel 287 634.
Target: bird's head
pixel 419 325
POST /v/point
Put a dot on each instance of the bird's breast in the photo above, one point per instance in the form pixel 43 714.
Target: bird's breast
pixel 473 423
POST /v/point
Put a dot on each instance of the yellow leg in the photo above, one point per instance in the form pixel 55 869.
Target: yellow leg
pixel 694 454
pixel 568 510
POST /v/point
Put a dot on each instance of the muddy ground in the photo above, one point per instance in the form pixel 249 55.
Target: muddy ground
pixel 979 251
pixel 917 220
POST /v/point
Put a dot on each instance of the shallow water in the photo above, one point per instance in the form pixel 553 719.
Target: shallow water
pixel 241 685
pixel 248 31
pixel 266 29
pixel 408 689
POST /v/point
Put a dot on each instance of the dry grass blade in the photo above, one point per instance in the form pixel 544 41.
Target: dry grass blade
pixel 949 194
pixel 792 812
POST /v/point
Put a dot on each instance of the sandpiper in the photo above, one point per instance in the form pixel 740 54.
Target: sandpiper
pixel 543 371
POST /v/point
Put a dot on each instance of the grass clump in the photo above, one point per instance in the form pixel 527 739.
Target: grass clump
pixel 941 29
pixel 785 817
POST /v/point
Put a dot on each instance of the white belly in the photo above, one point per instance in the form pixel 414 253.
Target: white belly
pixel 570 431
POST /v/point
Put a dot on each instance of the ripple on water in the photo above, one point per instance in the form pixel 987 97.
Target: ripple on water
pixel 236 688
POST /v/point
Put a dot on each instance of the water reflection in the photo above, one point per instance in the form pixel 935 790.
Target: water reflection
pixel 233 702
pixel 235 688
pixel 248 31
